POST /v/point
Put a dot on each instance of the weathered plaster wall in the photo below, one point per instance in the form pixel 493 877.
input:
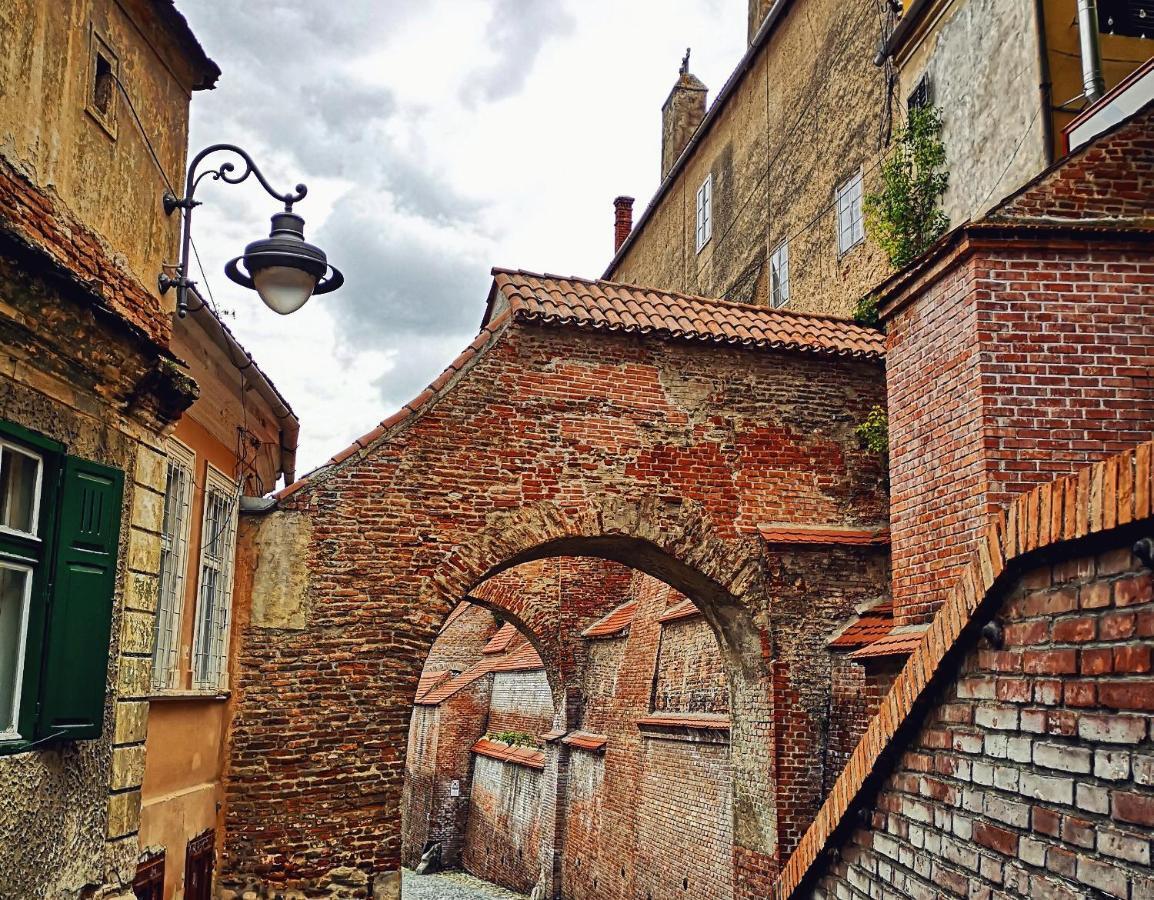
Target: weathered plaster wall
pixel 107 180
pixel 811 111
pixel 982 62
pixel 502 842
pixel 70 815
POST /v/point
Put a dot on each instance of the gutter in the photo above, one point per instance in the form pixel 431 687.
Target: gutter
pixel 290 426
pixel 727 90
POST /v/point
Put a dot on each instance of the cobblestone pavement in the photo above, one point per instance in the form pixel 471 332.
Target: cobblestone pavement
pixel 453 886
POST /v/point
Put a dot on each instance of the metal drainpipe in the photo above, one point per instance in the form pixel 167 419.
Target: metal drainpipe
pixel 1093 85
pixel 1045 85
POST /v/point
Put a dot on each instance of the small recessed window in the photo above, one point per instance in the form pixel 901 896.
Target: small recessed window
pixel 920 97
pixel 103 72
pixel 779 275
pixel 705 212
pixel 850 223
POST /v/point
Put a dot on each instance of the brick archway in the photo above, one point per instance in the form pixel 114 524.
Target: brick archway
pixel 663 448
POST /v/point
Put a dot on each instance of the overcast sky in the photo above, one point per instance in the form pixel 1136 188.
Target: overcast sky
pixel 438 138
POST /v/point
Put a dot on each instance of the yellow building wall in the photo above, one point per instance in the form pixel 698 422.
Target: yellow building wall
pixel 106 177
pixel 809 113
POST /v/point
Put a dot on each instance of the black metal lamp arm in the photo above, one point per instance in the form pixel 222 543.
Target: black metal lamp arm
pixel 226 172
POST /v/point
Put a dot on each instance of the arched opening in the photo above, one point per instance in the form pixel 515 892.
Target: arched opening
pixel 572 726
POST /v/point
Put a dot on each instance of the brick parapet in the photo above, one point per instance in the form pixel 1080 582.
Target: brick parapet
pixel 1042 523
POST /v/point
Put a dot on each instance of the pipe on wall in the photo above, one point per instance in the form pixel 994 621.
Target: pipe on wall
pixel 1093 84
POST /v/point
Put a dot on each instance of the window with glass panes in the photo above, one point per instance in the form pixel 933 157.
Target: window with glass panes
pixel 174 537
pixel 704 212
pixel 779 275
pixel 59 545
pixel 850 223
pixel 214 587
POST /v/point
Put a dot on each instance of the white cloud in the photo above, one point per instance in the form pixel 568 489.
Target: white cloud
pixel 437 139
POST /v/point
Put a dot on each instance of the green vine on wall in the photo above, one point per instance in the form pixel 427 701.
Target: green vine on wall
pixel 513 738
pixel 874 432
pixel 904 217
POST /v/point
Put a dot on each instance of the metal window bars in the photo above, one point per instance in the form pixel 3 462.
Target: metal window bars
pixel 173 566
pixel 213 613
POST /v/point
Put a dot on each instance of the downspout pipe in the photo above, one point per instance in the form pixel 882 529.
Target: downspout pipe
pixel 1045 85
pixel 1093 84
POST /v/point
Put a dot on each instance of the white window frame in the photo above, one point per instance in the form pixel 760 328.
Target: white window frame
pixel 37 491
pixel 172 585
pixel 13 733
pixel 779 275
pixel 704 230
pixel 210 650
pixel 850 216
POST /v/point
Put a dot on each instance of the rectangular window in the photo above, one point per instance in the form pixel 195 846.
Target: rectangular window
pixel 103 73
pixel 850 225
pixel 214 601
pixel 199 859
pixel 1129 18
pixel 779 275
pixel 705 212
pixel 59 543
pixel 174 537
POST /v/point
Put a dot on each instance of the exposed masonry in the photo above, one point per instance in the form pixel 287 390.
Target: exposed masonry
pixel 661 444
pixel 1023 766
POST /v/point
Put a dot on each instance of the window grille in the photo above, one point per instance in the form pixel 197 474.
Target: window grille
pixel 213 611
pixel 850 223
pixel 173 567
pixel 704 212
pixel 779 275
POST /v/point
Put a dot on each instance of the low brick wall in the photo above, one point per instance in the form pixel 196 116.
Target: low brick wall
pixel 502 842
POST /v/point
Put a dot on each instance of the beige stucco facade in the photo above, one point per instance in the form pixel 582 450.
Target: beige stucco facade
pixel 804 112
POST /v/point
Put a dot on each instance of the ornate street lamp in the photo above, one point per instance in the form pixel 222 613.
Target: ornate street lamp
pixel 283 268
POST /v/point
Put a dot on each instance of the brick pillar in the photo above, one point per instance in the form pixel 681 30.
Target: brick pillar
pixel 622 221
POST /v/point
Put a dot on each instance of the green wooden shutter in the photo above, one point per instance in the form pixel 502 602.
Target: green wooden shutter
pixel 83 581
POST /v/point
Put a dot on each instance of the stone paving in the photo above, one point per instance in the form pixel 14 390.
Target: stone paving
pixel 453 886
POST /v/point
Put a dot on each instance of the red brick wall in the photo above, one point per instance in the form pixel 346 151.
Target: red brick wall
pixel 1017 367
pixel 502 842
pixel 1032 774
pixel 666 454
pixel 521 702
pixel 690 677
pixel 460 644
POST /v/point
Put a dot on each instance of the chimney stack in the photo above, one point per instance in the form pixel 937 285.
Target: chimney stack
pixel 758 10
pixel 680 116
pixel 623 221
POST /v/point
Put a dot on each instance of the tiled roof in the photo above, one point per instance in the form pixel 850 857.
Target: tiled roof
pixel 521 756
pixel 500 642
pixel 584 740
pixel 524 659
pixel 553 735
pixel 819 534
pixel 614 623
pixel 686 609
pixel 607 306
pixel 865 630
pixel 900 644
pixel 429 680
pixel 448 688
pixel 711 721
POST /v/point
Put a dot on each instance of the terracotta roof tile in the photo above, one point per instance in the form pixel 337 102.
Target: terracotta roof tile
pixel 686 609
pixel 522 756
pixel 710 721
pixel 525 659
pixel 500 642
pixel 865 630
pixel 555 734
pixel 450 687
pixel 459 610
pixel 614 623
pixel 584 740
pixel 820 534
pixel 429 681
pixel 609 306
pixel 900 644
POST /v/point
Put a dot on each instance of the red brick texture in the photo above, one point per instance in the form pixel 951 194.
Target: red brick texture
pixel 661 453
pixel 1019 351
pixel 1018 763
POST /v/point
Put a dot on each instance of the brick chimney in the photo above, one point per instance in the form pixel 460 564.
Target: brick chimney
pixel 623 221
pixel 680 116
pixel 758 9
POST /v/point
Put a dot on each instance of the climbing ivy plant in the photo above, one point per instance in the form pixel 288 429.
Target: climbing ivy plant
pixel 874 432
pixel 904 217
